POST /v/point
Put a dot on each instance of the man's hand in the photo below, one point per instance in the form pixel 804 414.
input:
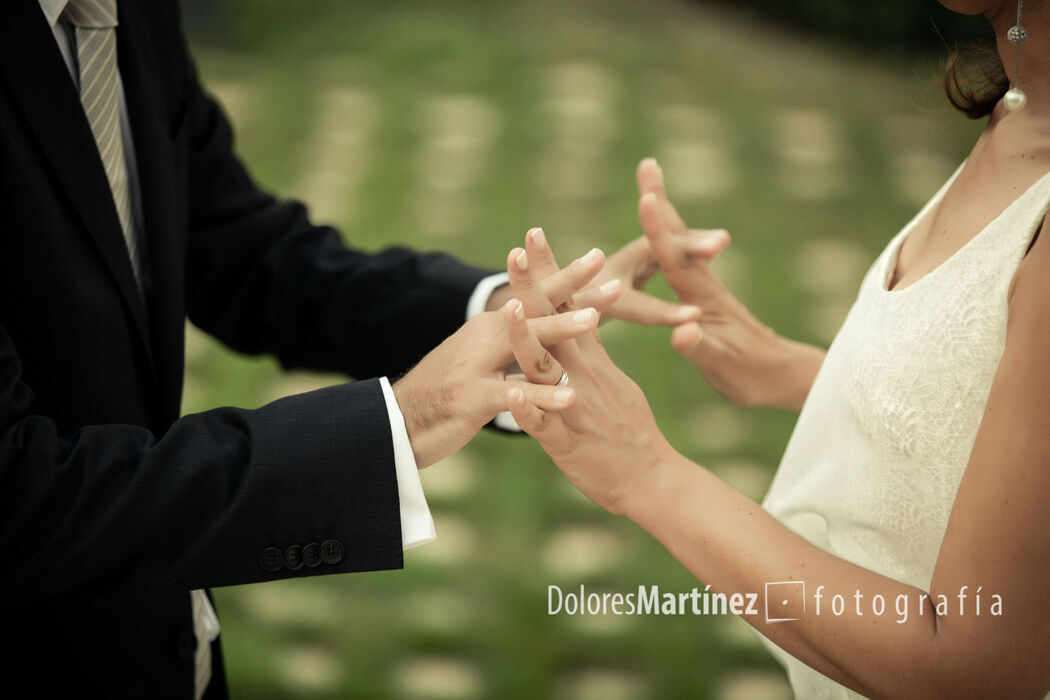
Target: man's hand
pixel 461 384
pixel 633 265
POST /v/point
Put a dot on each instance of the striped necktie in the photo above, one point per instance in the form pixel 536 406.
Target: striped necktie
pixel 95 22
pixel 96 40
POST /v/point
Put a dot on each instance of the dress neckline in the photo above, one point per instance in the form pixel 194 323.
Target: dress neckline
pixel 894 253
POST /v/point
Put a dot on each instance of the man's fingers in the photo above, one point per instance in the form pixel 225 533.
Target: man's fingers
pixel 545 426
pixel 525 286
pixel 535 361
pixel 636 306
pixel 560 286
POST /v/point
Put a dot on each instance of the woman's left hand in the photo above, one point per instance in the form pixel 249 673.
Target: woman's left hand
pixel 607 443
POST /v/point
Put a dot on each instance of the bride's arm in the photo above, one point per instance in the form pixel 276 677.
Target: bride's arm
pixel 997 542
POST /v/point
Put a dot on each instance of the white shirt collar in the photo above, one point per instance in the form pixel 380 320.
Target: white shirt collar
pixel 53 10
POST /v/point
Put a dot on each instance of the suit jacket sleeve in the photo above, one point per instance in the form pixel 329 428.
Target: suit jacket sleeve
pixel 111 508
pixel 262 278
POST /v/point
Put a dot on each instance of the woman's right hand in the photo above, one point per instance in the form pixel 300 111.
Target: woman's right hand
pixel 743 359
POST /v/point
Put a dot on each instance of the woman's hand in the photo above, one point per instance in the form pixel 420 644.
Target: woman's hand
pixel 996 539
pixel 744 360
pixel 461 385
pixel 606 442
pixel 633 266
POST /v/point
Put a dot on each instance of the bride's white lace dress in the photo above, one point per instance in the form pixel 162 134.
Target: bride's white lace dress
pixel 880 447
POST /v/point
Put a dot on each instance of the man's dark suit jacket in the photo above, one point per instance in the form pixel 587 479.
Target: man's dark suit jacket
pixel 112 507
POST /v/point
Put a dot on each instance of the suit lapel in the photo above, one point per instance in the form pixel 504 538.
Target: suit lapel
pixel 163 217
pixel 49 101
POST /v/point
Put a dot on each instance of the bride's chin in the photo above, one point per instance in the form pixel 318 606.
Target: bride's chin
pixel 974 7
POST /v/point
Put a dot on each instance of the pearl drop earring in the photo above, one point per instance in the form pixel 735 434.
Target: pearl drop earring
pixel 1014 99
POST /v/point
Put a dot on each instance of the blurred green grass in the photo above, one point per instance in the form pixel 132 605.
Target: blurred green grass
pixel 468 618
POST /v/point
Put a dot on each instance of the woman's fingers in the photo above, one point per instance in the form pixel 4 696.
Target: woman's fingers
pixel 547 331
pixel 702 244
pixel 535 361
pixel 651 180
pixel 690 341
pixel 540 254
pixel 544 397
pixel 563 284
pixel 602 297
pixel 492 396
pixel 638 307
pixel 524 282
pixel 685 337
pixel 649 177
pixel 543 293
pixel 525 285
pixel 661 214
pixel 551 330
pixel 678 250
pixel 667 253
pixel 544 425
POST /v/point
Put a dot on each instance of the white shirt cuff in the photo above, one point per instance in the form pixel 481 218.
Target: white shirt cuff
pixel 480 298
pixel 478 301
pixel 417 525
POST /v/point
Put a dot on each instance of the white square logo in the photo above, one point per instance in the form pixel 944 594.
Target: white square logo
pixel 779 598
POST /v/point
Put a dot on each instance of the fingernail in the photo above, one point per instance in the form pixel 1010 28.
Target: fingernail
pixel 712 239
pixel 688 312
pixel 519 311
pixel 583 317
pixel 610 287
pixel 522 261
pixel 562 396
pixel 591 256
pixel 516 395
pixel 538 239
